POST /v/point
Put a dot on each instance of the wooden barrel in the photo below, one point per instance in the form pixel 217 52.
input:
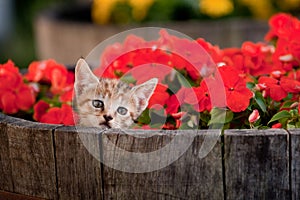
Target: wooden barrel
pixel 66 34
pixel 41 161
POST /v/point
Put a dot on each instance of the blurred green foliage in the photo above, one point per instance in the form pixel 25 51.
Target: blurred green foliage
pixel 19 45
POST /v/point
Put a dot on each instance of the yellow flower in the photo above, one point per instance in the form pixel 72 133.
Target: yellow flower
pixel 216 8
pixel 262 9
pixel 140 8
pixel 101 10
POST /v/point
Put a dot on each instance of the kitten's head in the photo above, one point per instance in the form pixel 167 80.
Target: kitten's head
pixel 108 103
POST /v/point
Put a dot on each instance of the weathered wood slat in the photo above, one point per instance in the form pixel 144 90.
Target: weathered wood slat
pixel 31 158
pixel 6 181
pixel 12 196
pixel 40 161
pixel 257 164
pixel 27 160
pixel 78 172
pixel 188 177
pixel 295 163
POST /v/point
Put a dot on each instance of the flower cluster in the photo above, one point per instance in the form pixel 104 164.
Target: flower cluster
pixel 44 92
pixel 15 95
pixel 102 9
pixel 124 11
pixel 260 82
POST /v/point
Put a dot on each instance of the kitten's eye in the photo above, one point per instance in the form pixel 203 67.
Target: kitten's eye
pixel 122 111
pixel 98 103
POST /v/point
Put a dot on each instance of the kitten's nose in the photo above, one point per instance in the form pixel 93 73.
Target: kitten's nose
pixel 107 117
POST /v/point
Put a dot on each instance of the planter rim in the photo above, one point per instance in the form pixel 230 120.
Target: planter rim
pixel 19 121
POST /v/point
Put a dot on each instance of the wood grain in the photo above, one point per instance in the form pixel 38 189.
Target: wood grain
pixel 12 196
pixel 40 161
pixel 188 177
pixel 295 163
pixel 78 172
pixel 32 158
pixel 6 180
pixel 257 164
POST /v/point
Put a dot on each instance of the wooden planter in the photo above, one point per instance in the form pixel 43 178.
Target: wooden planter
pixel 40 161
pixel 66 34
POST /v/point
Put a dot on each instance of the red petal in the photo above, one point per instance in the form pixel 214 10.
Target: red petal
pixel 237 101
pixel 67 112
pixel 40 108
pixel 8 102
pixel 25 97
pixel 53 116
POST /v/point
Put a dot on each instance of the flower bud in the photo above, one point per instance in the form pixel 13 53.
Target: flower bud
pixel 254 116
pixel 178 115
pixel 261 86
pixel 294 105
pixel 278 125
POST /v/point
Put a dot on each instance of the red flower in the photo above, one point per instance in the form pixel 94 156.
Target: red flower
pixel 55 115
pixel 278 89
pixel 204 102
pixel 58 76
pixel 294 75
pixel 287 53
pixel 14 94
pixel 253 58
pixel 183 96
pixel 190 54
pixel 9 76
pixel 290 85
pixel 149 64
pixel 234 57
pixel 36 71
pixel 285 29
pixel 67 96
pixel 13 101
pixel 172 104
pixel 257 58
pixel 237 94
pixel 281 25
pixel 40 108
pixel 213 51
pixel 51 72
pixel 159 97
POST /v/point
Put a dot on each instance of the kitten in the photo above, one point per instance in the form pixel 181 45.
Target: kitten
pixel 108 103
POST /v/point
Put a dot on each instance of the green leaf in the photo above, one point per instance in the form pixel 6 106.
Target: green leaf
pixel 183 81
pixel 287 104
pixel 220 116
pixel 297 124
pixel 128 79
pixel 250 85
pixel 291 126
pixel 260 101
pixel 145 117
pixel 280 115
pixel 204 117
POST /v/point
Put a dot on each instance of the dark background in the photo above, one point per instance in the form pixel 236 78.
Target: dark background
pixel 16 28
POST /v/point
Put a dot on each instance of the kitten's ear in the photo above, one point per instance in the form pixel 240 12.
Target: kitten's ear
pixel 142 93
pixel 83 76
